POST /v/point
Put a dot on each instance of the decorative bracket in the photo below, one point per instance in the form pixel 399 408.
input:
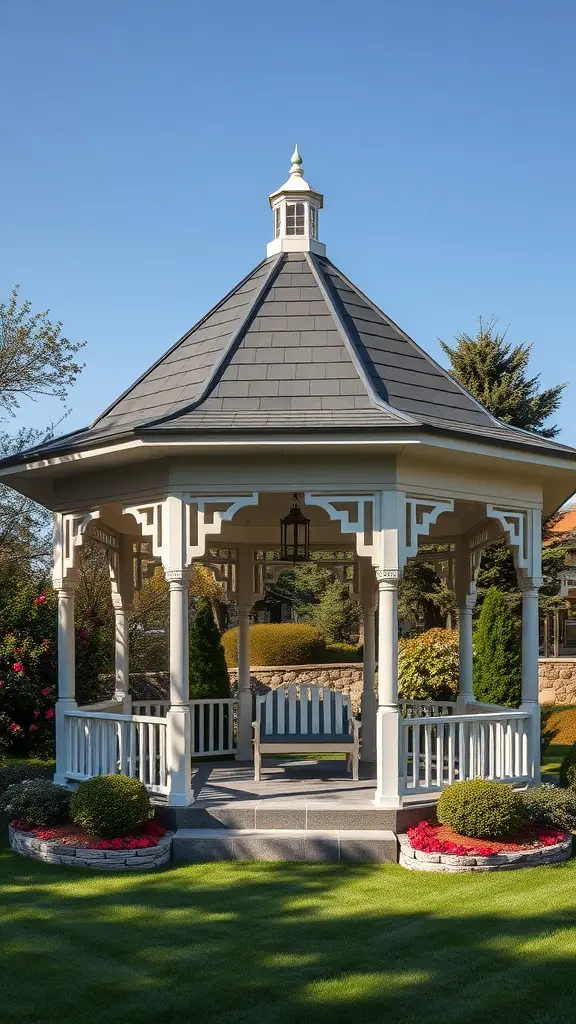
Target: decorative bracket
pixel 209 520
pixel 68 535
pixel 523 530
pixel 365 524
pixel 421 515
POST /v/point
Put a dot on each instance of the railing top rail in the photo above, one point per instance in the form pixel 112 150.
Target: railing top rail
pixel 429 703
pixel 212 700
pixel 154 719
pixel 493 716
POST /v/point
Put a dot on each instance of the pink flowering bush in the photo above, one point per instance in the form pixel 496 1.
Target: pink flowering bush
pixel 28 669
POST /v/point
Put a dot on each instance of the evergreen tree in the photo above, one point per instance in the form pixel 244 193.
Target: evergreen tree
pixel 495 372
pixel 497 652
pixel 208 672
pixel 337 614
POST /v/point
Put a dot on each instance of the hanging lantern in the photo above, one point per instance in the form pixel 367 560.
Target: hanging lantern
pixel 295 535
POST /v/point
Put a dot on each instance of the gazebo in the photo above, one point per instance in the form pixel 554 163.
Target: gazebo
pixel 296 383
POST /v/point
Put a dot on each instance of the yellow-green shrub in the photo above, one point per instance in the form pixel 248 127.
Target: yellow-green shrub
pixel 428 665
pixel 481 809
pixel 281 643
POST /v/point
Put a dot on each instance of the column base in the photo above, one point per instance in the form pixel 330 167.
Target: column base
pixel 179 755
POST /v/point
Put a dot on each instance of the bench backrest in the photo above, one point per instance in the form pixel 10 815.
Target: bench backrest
pixel 303 710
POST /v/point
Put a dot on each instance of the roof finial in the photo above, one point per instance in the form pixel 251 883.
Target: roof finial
pixel 296 159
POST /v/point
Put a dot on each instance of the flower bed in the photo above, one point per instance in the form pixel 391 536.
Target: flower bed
pixel 433 847
pixel 66 844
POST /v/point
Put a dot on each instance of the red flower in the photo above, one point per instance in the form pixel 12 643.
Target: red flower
pixel 32 728
pixel 40 599
pixel 45 691
pixel 13 727
pixel 1 682
pixel 50 713
pixel 36 713
pixel 18 666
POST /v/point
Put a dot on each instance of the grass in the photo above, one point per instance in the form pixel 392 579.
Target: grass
pixel 280 944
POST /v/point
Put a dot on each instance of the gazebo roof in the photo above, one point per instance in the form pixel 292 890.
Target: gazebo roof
pixel 296 347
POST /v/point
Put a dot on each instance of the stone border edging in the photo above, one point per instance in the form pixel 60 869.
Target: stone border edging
pixel 449 863
pixel 52 851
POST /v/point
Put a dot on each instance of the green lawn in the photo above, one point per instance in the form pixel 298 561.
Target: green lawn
pixel 284 944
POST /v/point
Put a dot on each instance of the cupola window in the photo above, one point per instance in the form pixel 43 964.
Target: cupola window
pixel 277 222
pixel 295 218
pixel 312 210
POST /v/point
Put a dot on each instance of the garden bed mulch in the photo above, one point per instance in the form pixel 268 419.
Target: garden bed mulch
pixel 433 847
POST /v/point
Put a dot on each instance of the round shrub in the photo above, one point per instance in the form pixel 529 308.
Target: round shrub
pixel 481 809
pixel 548 805
pixel 110 805
pixel 281 643
pixel 36 802
pixel 340 652
pixel 11 774
pixel 567 773
pixel 428 665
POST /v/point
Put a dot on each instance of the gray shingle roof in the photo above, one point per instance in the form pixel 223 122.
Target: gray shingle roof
pixel 296 347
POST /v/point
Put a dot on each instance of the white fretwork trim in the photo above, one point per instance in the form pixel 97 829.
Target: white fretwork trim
pixel 68 535
pixel 365 526
pixel 209 522
pixel 176 539
pixel 523 530
pixel 421 514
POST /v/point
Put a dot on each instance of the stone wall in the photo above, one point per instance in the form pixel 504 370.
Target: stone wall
pixel 343 676
pixel 557 680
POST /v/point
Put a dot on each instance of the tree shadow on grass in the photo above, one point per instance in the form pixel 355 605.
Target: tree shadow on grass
pixel 280 944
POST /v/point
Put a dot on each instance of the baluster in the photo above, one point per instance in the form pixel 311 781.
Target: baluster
pixel 221 712
pixel 201 749
pixel 151 754
pixel 440 754
pixel 415 756
pixel 461 751
pixel 451 752
pixel 427 756
pixel 211 727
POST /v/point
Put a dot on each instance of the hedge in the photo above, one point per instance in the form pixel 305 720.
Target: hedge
pixel 282 643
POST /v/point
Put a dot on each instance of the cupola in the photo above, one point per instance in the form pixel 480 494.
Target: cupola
pixel 295 208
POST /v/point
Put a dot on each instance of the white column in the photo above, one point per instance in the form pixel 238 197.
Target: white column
pixel 530 654
pixel 244 593
pixel 121 657
pixel 178 718
pixel 387 727
pixel 369 702
pixel 466 662
pixel 66 674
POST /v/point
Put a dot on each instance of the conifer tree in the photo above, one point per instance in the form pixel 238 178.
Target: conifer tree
pixel 497 653
pixel 495 372
pixel 208 671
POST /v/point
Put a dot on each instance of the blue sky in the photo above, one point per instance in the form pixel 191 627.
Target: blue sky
pixel 141 140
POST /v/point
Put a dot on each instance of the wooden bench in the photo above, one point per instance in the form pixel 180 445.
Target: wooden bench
pixel 305 719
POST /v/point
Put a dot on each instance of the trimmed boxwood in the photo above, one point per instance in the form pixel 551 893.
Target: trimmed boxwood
pixel 282 643
pixel 19 771
pixel 36 802
pixel 110 806
pixel 481 809
pixel 567 773
pixel 548 805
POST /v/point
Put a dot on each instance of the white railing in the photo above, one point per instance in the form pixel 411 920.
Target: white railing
pixel 97 743
pixel 154 708
pixel 434 753
pixel 426 708
pixel 213 727
pixel 212 723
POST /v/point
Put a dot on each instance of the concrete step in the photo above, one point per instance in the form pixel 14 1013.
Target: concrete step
pixel 193 845
pixel 281 814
